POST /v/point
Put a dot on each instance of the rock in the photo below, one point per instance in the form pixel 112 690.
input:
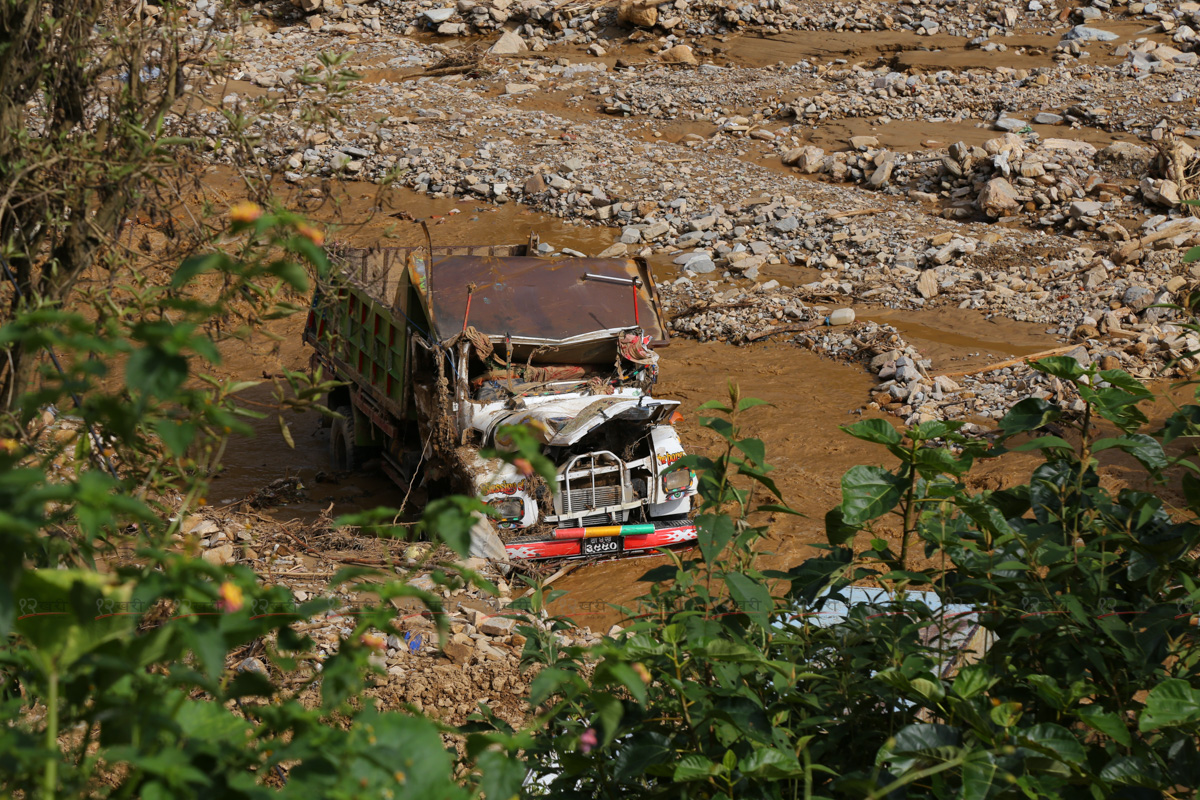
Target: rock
pixel 1081 355
pixel 631 235
pixel 1072 146
pixel 946 385
pixel 679 54
pixel 614 251
pixel 1162 193
pixel 1085 208
pixel 220 555
pixel 307 6
pixel 786 225
pixel 655 230
pixel 1126 159
pixel 485 543
pixel 1046 118
pixel 883 173
pixel 637 13
pixel 436 16
pixel 1138 297
pixel 927 284
pixel 1010 124
pixel 519 88
pixel 458 653
pixel 998 198
pixel 535 185
pixel 1082 33
pixel 198 526
pixel 863 142
pixel 497 626
pixel 509 44
pixel 807 159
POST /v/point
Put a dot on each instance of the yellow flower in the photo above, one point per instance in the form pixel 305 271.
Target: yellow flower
pixel 373 641
pixel 245 211
pixel 9 445
pixel 314 235
pixel 232 598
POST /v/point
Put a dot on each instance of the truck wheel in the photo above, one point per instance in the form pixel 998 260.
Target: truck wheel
pixel 343 452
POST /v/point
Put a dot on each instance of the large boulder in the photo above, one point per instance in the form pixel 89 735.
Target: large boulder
pixel 509 44
pixel 808 159
pixel 1126 159
pixel 679 54
pixel 637 13
pixel 999 198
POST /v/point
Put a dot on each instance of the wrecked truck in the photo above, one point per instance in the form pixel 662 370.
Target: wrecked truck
pixel 442 348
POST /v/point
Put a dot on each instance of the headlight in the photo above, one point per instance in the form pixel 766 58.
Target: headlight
pixel 510 509
pixel 677 480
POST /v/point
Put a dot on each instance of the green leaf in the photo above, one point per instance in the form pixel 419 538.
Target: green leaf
pixel 973 680
pixel 694 768
pixel 292 274
pixel 1106 722
pixel 868 493
pixel 836 530
pixel 752 598
pixel 879 431
pixel 1171 704
pixel 152 371
pixel 1146 449
pixel 1030 414
pixel 65 613
pixel 1063 367
pixel 501 776
pixel 754 449
pixel 1055 740
pixel 713 533
pixel 770 764
pixel 750 402
pixel 176 434
pixel 195 265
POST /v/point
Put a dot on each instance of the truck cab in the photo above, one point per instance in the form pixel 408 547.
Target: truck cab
pixel 443 348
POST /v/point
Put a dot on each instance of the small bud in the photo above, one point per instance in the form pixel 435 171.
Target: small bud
pixel 588 740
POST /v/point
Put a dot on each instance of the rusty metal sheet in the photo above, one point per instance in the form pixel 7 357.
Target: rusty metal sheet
pixel 544 298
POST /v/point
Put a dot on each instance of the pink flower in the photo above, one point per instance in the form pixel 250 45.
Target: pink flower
pixel 588 740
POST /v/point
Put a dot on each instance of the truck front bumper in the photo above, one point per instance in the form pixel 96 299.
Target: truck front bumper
pixel 666 533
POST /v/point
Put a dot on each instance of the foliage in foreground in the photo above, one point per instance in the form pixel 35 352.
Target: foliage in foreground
pixel 729 681
pixel 732 682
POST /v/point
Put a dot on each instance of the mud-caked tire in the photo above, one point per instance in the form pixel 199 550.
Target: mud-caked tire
pixel 344 454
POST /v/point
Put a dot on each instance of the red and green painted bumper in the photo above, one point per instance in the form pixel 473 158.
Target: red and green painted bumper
pixel 619 539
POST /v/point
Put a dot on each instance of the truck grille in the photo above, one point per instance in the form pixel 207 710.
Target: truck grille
pixel 586 499
pixel 592 481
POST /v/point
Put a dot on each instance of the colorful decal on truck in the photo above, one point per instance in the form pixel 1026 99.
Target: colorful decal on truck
pixel 506 487
pixel 667 459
